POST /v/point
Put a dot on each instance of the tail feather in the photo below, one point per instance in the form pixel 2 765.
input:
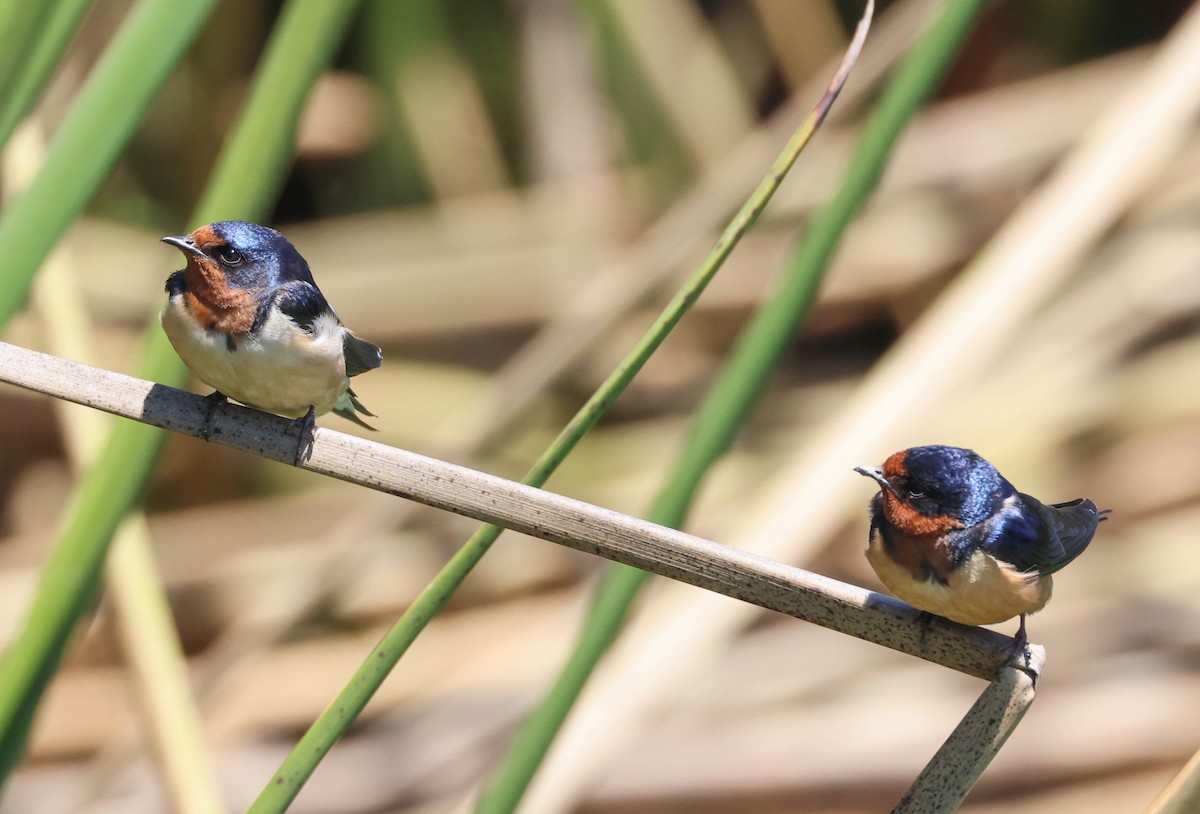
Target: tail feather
pixel 1072 526
pixel 348 407
pixel 360 354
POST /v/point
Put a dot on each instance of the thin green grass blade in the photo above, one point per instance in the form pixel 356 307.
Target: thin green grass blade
pixel 19 23
pixel 244 185
pixel 87 144
pixel 736 390
pixel 47 43
pixel 350 702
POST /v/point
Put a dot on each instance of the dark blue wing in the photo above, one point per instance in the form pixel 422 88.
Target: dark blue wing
pixel 1040 538
pixel 300 301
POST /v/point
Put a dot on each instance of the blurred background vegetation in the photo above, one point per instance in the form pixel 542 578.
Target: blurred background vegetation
pixel 460 175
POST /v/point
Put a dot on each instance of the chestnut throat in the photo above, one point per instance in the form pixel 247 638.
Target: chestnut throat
pixel 214 303
pixel 920 543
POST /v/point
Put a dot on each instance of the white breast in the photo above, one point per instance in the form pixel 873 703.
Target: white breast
pixel 281 369
pixel 983 591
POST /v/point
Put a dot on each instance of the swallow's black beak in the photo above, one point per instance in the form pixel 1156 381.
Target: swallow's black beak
pixel 875 474
pixel 184 243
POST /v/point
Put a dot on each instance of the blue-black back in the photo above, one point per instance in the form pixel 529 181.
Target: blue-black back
pixel 1042 539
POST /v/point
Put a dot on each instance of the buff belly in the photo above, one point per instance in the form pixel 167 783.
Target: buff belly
pixel 983 591
pixel 282 369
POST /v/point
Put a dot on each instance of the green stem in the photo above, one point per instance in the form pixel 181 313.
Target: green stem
pixel 19 24
pixel 736 390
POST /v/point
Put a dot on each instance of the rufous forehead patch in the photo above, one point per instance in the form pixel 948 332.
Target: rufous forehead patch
pixel 205 237
pixel 896 466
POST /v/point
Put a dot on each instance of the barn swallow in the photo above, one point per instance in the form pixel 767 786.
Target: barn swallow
pixel 951 537
pixel 247 318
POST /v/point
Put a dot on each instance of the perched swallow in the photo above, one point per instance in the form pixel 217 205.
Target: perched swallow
pixel 952 537
pixel 247 318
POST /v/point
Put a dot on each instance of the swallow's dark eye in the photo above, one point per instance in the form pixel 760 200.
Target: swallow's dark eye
pixel 230 256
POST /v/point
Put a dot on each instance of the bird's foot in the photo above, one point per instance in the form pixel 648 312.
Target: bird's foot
pixel 1022 638
pixel 211 402
pixel 306 426
pixel 1021 647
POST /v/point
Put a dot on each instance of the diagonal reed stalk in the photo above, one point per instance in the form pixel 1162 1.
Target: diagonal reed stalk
pixel 350 702
pixel 531 510
pixel 245 183
pixel 736 391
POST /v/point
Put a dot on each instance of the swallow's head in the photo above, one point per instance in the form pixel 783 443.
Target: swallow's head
pixel 247 256
pixel 232 267
pixel 933 489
